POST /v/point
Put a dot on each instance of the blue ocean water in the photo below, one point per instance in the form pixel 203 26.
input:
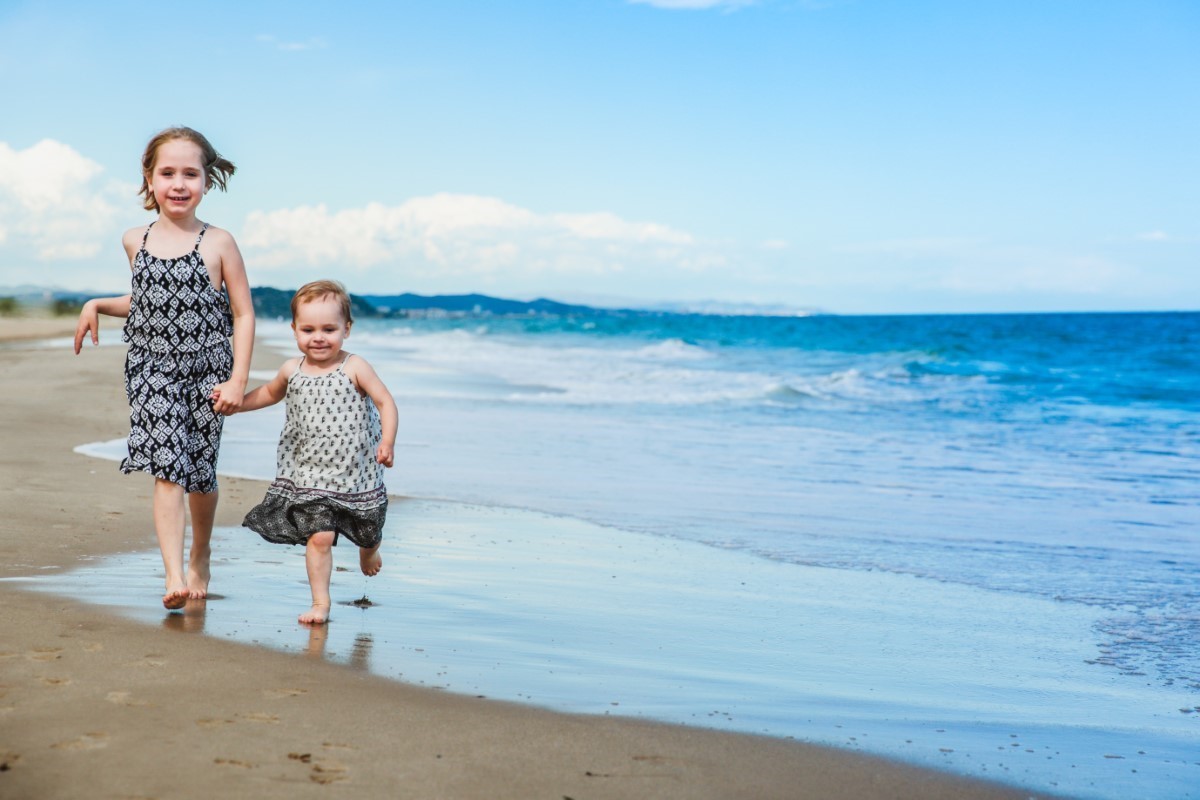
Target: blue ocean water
pixel 1010 502
pixel 1053 455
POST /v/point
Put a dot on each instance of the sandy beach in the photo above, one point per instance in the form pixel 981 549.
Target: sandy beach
pixel 96 705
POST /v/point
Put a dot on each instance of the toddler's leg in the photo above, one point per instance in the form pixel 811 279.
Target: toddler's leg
pixel 318 557
pixel 370 560
pixel 204 511
pixel 168 525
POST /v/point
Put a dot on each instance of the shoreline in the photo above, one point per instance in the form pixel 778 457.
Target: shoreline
pixel 94 704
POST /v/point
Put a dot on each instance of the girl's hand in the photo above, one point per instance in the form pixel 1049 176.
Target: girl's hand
pixel 227 398
pixel 89 322
pixel 383 454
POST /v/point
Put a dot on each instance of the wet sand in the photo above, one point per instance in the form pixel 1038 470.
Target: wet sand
pixel 96 705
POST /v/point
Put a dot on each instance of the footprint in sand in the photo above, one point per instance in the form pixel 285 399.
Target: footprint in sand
pixel 48 681
pixel 259 716
pixel 93 647
pixel 89 741
pixel 208 722
pixel 8 759
pixel 275 694
pixel 150 660
pixel 233 762
pixel 328 772
pixel 322 771
pixel 123 699
pixel 44 654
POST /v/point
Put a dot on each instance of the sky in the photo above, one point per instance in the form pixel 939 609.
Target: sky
pixel 849 156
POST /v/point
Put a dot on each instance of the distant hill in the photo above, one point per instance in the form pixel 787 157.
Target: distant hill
pixel 272 302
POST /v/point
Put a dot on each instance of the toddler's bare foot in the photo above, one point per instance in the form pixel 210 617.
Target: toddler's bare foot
pixel 176 598
pixel 370 560
pixel 317 615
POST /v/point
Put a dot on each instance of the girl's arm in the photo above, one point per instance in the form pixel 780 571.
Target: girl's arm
pixel 229 396
pixel 89 317
pixel 269 393
pixel 369 383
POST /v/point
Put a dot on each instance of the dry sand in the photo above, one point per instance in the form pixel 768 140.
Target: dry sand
pixel 98 706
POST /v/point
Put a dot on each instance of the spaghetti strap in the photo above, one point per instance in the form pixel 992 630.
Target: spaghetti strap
pixel 203 231
pixel 146 235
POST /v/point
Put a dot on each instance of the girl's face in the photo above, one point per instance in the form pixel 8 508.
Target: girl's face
pixel 178 180
pixel 320 331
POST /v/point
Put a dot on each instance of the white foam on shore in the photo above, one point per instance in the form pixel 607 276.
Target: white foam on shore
pixel 561 613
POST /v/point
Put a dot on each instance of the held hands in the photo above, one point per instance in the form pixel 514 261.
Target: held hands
pixel 383 454
pixel 227 397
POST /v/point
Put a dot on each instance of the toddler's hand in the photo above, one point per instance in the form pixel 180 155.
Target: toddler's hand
pixel 383 454
pixel 227 398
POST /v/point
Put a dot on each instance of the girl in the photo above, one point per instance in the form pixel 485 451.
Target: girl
pixel 339 435
pixel 189 294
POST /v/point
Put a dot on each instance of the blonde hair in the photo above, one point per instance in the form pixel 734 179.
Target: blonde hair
pixel 319 290
pixel 217 168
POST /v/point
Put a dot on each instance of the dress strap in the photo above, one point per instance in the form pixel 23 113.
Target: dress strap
pixel 342 363
pixel 299 364
pixel 203 231
pixel 146 235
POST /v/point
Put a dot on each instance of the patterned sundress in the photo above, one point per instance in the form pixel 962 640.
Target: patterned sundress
pixel 178 332
pixel 327 478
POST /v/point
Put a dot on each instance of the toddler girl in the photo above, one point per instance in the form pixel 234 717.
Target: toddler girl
pixel 339 434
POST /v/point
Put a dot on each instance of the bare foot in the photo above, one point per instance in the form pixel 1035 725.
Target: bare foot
pixel 370 560
pixel 317 615
pixel 197 580
pixel 175 599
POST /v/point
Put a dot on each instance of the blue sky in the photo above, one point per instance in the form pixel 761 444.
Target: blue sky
pixel 856 156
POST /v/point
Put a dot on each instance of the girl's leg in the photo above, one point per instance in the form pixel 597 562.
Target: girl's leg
pixel 203 506
pixel 369 560
pixel 318 557
pixel 168 525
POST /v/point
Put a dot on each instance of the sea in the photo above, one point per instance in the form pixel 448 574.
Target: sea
pixel 965 541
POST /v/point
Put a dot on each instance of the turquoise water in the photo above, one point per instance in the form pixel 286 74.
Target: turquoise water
pixel 1021 488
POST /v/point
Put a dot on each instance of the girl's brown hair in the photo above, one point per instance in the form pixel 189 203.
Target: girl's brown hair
pixel 217 168
pixel 319 290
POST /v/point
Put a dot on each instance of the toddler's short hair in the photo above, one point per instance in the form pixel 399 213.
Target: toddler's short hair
pixel 319 290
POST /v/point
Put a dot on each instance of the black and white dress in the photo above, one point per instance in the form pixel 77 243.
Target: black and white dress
pixel 327 478
pixel 178 333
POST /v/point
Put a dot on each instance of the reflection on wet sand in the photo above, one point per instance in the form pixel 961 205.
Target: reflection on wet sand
pixel 189 619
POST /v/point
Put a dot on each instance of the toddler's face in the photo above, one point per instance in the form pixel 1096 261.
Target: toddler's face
pixel 320 330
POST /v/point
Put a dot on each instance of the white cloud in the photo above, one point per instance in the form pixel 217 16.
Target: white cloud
pixel 1154 236
pixel 55 203
pixel 454 235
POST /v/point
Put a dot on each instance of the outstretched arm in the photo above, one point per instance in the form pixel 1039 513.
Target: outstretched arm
pixel 268 394
pixel 370 384
pixel 89 317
